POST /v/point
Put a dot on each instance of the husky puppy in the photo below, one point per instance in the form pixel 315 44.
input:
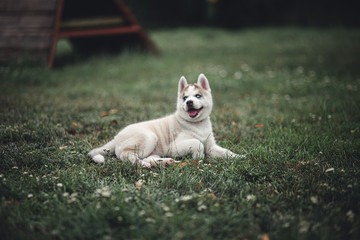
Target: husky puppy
pixel 187 131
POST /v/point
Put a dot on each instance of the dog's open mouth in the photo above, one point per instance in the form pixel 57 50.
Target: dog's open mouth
pixel 194 112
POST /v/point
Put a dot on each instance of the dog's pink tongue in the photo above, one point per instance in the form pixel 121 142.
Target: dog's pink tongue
pixel 193 112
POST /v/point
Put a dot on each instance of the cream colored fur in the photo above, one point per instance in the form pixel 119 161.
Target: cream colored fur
pixel 187 131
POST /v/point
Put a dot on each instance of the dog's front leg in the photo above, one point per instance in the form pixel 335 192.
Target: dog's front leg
pixel 215 151
pixel 184 146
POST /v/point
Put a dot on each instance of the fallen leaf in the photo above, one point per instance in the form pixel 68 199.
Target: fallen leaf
pixel 112 111
pixel 63 147
pixel 74 124
pixel 139 184
pixel 114 122
pixel 265 237
pixel 329 170
pixel 195 163
pixel 182 164
pixel 104 114
pixel 199 185
pixel 211 195
pixel 260 125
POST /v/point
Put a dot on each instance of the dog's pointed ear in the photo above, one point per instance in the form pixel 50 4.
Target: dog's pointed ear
pixel 203 82
pixel 182 84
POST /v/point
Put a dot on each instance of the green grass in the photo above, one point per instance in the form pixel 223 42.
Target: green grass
pixel 288 97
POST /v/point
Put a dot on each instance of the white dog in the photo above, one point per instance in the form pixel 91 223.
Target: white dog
pixel 187 131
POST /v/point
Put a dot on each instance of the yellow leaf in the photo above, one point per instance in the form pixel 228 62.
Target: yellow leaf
pixel 63 147
pixel 112 111
pixel 199 185
pixel 75 124
pixel 104 114
pixel 265 237
pixel 260 125
pixel 139 184
pixel 182 164
pixel 211 195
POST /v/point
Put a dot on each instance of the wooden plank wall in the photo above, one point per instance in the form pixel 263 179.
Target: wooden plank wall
pixel 26 28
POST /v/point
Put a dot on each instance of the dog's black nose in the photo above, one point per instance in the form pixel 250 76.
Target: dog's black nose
pixel 189 103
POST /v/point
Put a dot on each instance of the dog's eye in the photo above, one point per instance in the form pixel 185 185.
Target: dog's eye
pixel 185 98
pixel 198 96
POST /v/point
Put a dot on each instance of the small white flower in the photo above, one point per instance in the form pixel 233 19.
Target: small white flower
pixel 245 67
pixel 105 191
pixel 65 194
pixel 202 207
pixel 223 73
pixel 142 213
pixel 168 215
pixel 25 173
pixel 350 215
pixel 15 167
pixel 250 197
pixel 237 75
pixel 74 194
pixel 304 227
pixel 150 220
pixel 286 225
pixel 1 175
pixel 165 208
pixel 184 198
pixel 30 195
pixel 59 185
pixel 314 200
pixel 128 199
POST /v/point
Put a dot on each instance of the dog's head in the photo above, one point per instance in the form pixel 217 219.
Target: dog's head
pixel 194 101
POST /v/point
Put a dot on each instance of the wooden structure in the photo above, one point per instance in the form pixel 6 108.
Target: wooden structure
pixel 33 27
pixel 26 29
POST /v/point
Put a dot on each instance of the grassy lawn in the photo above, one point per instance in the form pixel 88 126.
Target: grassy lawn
pixel 287 97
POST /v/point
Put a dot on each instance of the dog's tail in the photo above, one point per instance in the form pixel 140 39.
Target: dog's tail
pixel 97 154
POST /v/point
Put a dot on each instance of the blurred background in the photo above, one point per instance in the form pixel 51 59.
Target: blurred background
pixel 240 13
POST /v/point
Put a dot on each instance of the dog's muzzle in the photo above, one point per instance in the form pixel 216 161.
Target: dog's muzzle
pixel 193 112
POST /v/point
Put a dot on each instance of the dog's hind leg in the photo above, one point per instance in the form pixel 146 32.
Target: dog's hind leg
pixel 98 154
pixel 140 147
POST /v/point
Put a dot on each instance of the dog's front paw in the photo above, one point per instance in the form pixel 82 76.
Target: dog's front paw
pixel 145 164
pixel 98 158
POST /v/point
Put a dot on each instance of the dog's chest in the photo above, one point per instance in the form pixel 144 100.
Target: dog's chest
pixel 200 131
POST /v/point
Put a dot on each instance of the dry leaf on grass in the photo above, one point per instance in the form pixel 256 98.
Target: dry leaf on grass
pixel 139 184
pixel 265 237
pixel 182 164
pixel 104 114
pixel 211 195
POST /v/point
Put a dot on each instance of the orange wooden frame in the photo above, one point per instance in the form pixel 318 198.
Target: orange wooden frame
pixel 134 27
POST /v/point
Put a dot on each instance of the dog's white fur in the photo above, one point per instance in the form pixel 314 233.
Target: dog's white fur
pixel 187 131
